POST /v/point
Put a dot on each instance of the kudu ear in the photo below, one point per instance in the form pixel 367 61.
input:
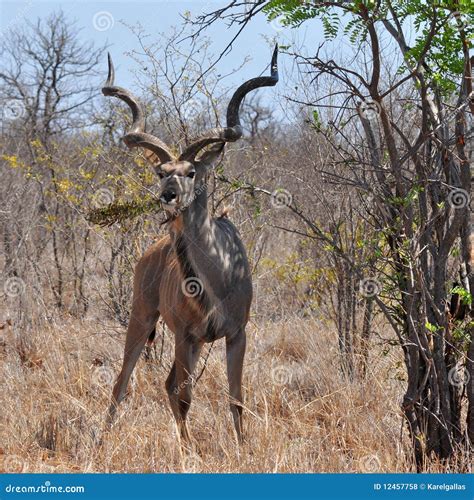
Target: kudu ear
pixel 209 156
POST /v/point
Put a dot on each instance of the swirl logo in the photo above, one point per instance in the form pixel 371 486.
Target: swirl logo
pixel 369 109
pixel 278 24
pixel 103 21
pixel 460 21
pixel 192 287
pixel 370 463
pixel 102 197
pixel 281 375
pixel 458 376
pixel 13 109
pixel 281 198
pixel 192 464
pixel 458 198
pixel 369 287
pixel 14 286
pixel 12 463
pixel 103 376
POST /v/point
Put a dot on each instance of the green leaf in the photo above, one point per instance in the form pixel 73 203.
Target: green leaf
pixel 464 295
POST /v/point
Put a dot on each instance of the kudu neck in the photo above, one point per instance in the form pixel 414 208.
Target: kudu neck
pixel 193 221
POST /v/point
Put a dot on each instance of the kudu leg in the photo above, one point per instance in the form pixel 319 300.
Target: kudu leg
pixel 138 331
pixel 179 382
pixel 235 352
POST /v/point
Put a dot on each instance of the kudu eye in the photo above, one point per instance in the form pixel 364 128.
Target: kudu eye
pixel 161 175
pixel 191 174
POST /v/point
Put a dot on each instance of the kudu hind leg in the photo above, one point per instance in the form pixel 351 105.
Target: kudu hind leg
pixel 235 352
pixel 138 331
pixel 180 381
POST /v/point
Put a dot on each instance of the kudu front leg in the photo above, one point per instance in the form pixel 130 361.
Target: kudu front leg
pixel 235 352
pixel 180 382
pixel 139 329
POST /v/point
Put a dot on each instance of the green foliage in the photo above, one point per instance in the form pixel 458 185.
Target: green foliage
pixel 330 25
pixel 445 58
pixel 453 21
pixel 294 12
pixel 432 328
pixel 406 201
pixel 316 120
pixel 462 336
pixel 464 295
pixel 356 30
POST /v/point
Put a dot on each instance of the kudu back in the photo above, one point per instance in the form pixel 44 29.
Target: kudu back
pixel 197 278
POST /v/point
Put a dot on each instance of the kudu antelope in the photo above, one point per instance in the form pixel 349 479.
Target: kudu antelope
pixel 196 278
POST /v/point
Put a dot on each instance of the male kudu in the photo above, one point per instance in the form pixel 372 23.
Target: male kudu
pixel 197 277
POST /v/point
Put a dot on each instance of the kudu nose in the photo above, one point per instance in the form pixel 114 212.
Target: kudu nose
pixel 168 196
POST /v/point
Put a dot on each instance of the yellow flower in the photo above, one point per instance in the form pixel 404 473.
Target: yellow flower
pixel 64 185
pixel 12 160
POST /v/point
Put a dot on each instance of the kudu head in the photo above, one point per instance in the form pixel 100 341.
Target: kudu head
pixel 182 175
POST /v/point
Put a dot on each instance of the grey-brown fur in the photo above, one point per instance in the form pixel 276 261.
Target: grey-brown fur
pixel 199 249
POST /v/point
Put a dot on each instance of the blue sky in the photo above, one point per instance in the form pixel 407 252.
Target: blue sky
pixel 102 22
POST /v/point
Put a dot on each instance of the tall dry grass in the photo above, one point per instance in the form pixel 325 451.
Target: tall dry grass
pixel 301 414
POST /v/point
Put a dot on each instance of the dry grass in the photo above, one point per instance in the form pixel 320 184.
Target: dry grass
pixel 302 415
